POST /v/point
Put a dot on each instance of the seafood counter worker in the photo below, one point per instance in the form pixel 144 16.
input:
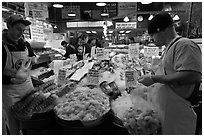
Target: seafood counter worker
pixel 178 74
pixel 17 57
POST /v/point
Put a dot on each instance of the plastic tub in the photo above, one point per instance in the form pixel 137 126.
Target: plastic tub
pixel 77 127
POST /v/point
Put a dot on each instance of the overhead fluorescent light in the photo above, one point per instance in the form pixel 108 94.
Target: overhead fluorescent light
pixel 71 14
pixel 88 31
pixel 94 32
pixel 128 31
pixel 58 5
pixel 101 4
pixel 122 31
pixel 110 31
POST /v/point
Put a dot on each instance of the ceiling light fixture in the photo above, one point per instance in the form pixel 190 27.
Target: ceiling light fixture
pixel 88 32
pixel 176 17
pixel 146 2
pixel 128 31
pixel 71 13
pixel 126 19
pixel 105 12
pixel 150 17
pixel 94 32
pixel 100 4
pixel 58 5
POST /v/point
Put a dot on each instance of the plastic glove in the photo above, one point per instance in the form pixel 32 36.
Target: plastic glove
pixel 146 80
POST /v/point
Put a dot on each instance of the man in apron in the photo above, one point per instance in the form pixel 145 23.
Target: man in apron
pixel 16 64
pixel 174 81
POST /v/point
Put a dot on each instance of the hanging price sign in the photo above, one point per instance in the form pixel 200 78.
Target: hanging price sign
pixel 133 51
pixel 151 51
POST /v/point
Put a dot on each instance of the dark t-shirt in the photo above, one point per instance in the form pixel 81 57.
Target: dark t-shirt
pixel 69 50
pixel 80 50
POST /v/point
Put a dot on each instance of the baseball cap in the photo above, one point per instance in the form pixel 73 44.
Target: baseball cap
pixel 160 22
pixel 17 18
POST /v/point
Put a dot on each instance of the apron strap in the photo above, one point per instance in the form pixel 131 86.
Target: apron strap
pixel 169 48
pixel 193 98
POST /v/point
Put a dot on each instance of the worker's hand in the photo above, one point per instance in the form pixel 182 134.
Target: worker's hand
pixel 18 80
pixel 24 70
pixel 146 80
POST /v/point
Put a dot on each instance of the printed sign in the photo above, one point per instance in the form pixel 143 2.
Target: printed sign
pixel 126 25
pixel 93 77
pixel 130 78
pixel 133 51
pixel 151 51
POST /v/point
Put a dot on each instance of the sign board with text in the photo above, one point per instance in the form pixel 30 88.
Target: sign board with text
pixel 126 25
pixel 151 51
pixel 133 51
pixel 130 78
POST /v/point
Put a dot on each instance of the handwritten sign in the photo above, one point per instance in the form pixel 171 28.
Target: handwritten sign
pixel 38 14
pixel 133 51
pixel 36 29
pixel 151 51
pixel 130 78
pixel 100 53
pixel 93 77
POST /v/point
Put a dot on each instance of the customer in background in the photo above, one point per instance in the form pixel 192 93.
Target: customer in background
pixel 83 48
pixel 131 40
pixel 16 64
pixel 70 49
pixel 174 83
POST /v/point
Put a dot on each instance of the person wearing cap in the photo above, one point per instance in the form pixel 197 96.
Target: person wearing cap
pixel 82 47
pixel 70 49
pixel 176 79
pixel 16 64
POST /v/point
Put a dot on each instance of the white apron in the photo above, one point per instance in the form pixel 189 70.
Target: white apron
pixel 14 92
pixel 177 117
